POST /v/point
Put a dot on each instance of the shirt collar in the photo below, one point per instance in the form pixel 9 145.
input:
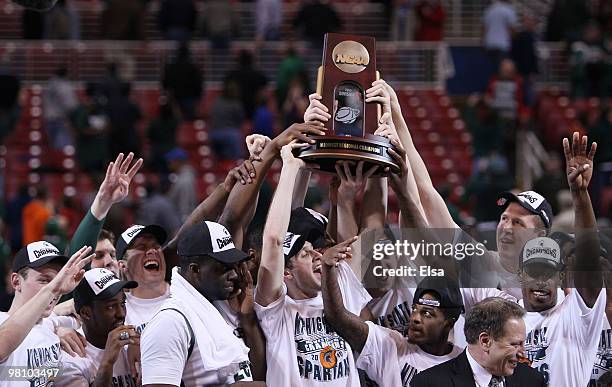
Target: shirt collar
pixel 482 377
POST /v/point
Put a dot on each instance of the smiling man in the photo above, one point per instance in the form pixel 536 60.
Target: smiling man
pixel 100 302
pixel 495 333
pixel 140 249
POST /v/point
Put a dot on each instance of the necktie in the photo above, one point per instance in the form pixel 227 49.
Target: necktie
pixel 496 381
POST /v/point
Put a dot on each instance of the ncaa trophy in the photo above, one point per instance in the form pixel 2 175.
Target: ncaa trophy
pixel 348 70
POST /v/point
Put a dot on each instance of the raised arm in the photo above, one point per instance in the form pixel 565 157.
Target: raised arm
pixel 436 212
pixel 351 327
pixel 242 200
pixel 21 321
pixel 270 276
pixel 114 189
pixel 579 169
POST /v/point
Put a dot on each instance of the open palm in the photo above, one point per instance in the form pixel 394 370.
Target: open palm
pixel 578 164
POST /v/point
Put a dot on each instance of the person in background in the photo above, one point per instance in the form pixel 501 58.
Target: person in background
pixel 59 101
pixel 430 16
pixel 499 24
pixel 182 193
pixel 35 216
pixel 183 82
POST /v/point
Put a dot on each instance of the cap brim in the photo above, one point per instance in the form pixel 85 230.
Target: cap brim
pixel 115 288
pixel 43 261
pixel 230 256
pixel 157 231
pixel 542 261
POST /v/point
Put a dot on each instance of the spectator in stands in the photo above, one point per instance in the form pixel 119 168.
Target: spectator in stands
pixel 60 100
pixel 566 20
pixel 291 66
pixel 505 91
pixel 9 103
pixel 56 232
pixel 35 216
pixel 263 119
pixel 177 19
pixel 601 133
pixel 226 119
pixel 91 126
pixel 14 219
pixel 183 81
pixel 552 181
pixel 499 23
pixel 124 115
pixel 220 23
pixel 32 24
pixel 481 121
pixel 162 135
pixel 123 20
pixel 182 193
pixel 249 80
pixel 430 20
pixel 296 102
pixel 62 22
pixel 403 20
pixel 156 208
pixel 315 18
pixel 268 19
pixel 588 67
pixel 110 84
pixel 524 55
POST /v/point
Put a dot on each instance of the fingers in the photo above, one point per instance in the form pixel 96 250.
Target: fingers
pixel 77 255
pixel 339 172
pixel 135 168
pixel 592 151
pixel 348 242
pixel 347 170
pixel 359 170
pixel 310 129
pixel 370 172
pixel 109 170
pixel 583 145
pixel 249 167
pixel 82 263
pixel 126 163
pixel 576 172
pixel 117 163
pixel 314 96
pixel 400 149
pixel 566 150
pixel 575 144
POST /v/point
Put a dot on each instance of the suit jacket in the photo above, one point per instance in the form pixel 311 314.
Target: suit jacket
pixel 458 373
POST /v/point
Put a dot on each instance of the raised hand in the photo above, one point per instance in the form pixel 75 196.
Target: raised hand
pixel 395 105
pixel 337 253
pixel 256 144
pixel 298 132
pixel 578 164
pixel 244 173
pixel 379 93
pixel 316 113
pixel 351 185
pixel 386 128
pixel 289 158
pixel 71 274
pixel 399 180
pixel 245 300
pixel 119 175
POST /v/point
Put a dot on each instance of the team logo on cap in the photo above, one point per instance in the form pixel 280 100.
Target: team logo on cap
pixel 41 249
pixel 220 238
pixel 100 279
pixel 501 201
pixel 532 198
pixel 290 239
pixel 129 234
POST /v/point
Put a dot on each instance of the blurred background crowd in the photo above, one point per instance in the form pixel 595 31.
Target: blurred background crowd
pixel 489 87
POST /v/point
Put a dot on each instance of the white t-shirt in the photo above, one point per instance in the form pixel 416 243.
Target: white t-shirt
pixel 167 336
pixel 391 361
pixel 603 360
pixel 230 317
pixel 302 349
pixel 39 350
pixel 81 371
pixel 392 310
pixel 141 310
pixel 499 18
pixel 562 341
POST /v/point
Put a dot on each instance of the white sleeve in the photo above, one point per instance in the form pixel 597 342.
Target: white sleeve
pixel 379 356
pixel 584 323
pixel 163 347
pixel 75 372
pixel 64 321
pixel 271 316
pixel 472 296
pixel 354 295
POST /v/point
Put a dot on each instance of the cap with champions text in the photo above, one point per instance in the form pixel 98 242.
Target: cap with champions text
pixel 310 224
pixel 212 239
pixel 36 254
pixel 531 201
pixel 446 290
pixel 127 237
pixel 99 284
pixel 542 250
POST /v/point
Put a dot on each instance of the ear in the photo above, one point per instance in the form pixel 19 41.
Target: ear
pixel 251 253
pixel 16 282
pixel 86 313
pixel 484 340
pixel 542 233
pixel 287 273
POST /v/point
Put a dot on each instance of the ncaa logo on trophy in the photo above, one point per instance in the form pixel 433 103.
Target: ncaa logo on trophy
pixel 348 70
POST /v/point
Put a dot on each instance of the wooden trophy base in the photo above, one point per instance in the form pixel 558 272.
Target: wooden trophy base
pixel 330 149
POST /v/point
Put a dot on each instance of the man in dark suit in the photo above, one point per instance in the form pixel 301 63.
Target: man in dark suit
pixel 495 332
